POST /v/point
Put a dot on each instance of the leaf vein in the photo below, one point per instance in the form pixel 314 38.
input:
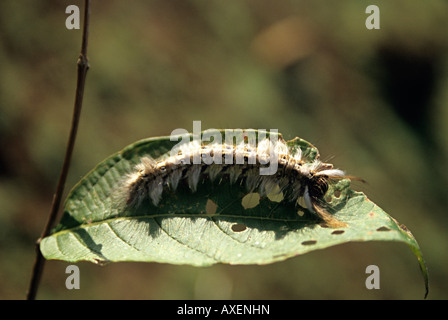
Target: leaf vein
pixel 181 242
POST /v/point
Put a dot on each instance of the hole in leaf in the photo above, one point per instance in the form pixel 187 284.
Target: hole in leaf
pixel 328 199
pixel 210 207
pixel 276 195
pixel 309 242
pixel 250 200
pixel 383 229
pixel 238 227
pixel 301 202
pixel 338 232
pixel 337 193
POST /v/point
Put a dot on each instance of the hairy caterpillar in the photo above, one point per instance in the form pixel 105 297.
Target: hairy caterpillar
pixel 295 177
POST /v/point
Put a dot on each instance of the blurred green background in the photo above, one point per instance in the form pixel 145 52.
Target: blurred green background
pixel 374 101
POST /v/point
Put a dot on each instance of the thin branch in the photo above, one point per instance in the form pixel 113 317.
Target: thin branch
pixel 83 66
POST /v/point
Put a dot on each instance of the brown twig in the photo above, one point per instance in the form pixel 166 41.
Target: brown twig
pixel 83 66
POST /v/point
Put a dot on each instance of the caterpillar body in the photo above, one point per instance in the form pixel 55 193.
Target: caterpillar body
pixel 296 178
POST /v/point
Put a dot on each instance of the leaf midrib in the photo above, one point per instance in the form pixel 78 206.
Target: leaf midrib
pixel 186 215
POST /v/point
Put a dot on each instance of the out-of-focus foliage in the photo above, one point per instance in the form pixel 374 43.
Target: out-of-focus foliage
pixel 375 100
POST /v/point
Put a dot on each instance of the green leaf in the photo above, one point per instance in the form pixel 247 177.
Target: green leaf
pixel 213 225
